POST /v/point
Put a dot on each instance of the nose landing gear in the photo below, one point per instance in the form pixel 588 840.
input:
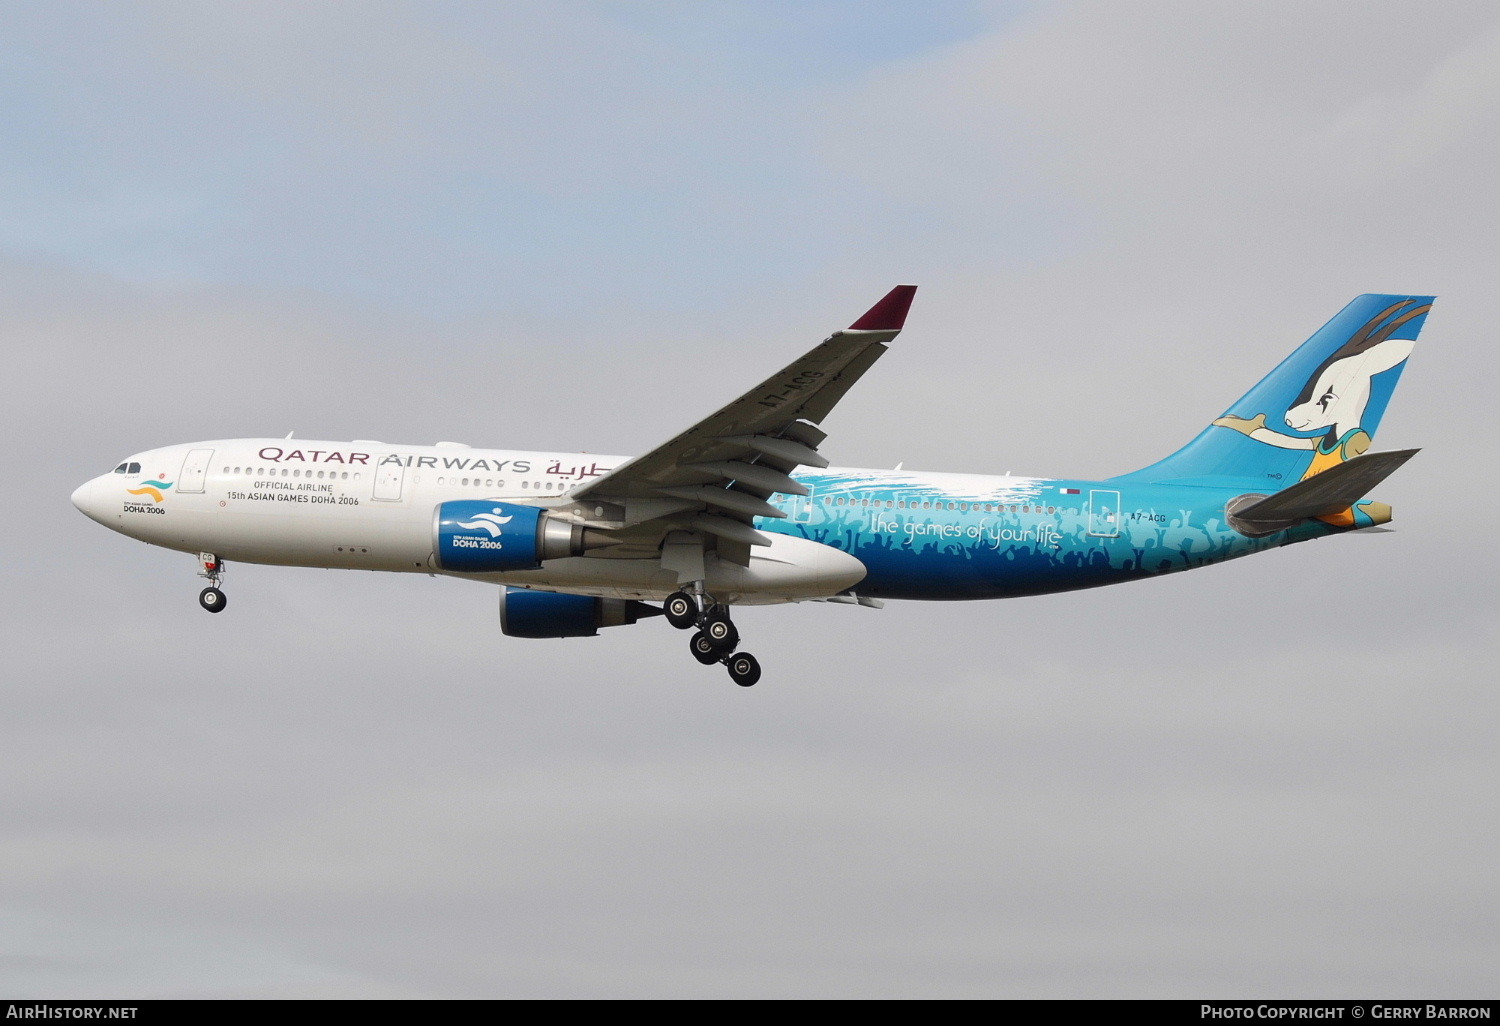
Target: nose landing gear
pixel 716 637
pixel 211 598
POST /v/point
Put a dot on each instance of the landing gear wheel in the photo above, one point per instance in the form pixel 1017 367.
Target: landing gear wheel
pixel 212 599
pixel 744 670
pixel 721 631
pixel 704 650
pixel 681 610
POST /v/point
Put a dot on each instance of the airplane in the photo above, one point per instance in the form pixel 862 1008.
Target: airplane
pixel 742 508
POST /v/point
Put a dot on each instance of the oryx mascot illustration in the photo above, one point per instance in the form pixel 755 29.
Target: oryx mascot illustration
pixel 1335 403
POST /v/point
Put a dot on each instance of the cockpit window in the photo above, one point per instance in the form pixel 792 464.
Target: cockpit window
pixel 128 468
pixel 135 468
pixel 122 468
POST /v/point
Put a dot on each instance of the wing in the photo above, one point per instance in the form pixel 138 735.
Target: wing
pixel 702 490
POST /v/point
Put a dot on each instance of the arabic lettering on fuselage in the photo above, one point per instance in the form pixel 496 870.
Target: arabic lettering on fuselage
pixel 579 472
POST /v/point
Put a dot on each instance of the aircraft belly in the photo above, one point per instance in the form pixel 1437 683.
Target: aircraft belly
pixel 787 570
pixel 398 540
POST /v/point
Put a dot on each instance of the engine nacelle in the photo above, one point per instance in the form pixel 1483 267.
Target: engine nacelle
pixel 547 614
pixel 473 536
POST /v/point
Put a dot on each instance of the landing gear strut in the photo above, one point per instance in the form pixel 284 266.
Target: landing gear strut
pixel 716 637
pixel 211 598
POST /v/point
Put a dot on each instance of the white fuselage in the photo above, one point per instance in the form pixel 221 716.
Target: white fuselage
pixel 370 505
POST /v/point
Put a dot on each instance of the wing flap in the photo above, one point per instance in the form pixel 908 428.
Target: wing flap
pixel 787 449
pixel 756 474
pixel 731 530
pixel 726 499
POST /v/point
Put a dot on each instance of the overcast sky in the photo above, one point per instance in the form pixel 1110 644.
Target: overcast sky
pixel 583 225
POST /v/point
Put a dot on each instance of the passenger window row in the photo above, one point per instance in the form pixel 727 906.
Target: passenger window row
pixel 473 482
pixel 487 482
pixel 331 475
pixel 963 507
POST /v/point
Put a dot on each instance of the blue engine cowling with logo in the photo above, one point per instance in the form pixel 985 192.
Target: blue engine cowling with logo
pixel 547 614
pixel 476 537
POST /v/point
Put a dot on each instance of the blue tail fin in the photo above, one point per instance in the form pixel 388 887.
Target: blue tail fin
pixel 1320 407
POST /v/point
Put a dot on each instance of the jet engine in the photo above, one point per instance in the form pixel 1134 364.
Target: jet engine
pixel 547 614
pixel 477 537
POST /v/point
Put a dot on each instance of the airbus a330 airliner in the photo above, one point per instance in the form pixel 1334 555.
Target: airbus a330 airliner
pixel 741 509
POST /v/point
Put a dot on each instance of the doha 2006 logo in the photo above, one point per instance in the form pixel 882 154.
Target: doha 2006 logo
pixel 153 490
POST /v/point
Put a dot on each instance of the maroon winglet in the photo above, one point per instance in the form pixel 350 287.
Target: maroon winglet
pixel 888 314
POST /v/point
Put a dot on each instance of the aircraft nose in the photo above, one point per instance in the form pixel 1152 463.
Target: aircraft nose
pixel 83 499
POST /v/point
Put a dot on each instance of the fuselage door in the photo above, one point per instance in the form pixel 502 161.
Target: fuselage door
pixel 1104 513
pixel 802 505
pixel 194 471
pixel 389 477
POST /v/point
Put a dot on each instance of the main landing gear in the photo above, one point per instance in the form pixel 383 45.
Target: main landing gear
pixel 211 598
pixel 716 637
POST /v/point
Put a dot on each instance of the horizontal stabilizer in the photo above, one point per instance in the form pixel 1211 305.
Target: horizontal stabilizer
pixel 1326 494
